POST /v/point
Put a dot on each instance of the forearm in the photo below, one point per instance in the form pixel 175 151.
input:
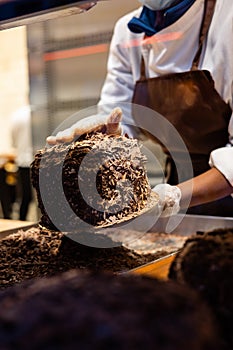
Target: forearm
pixel 207 187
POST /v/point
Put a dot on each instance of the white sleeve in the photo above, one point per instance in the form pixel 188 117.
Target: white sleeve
pixel 222 158
pixel 118 88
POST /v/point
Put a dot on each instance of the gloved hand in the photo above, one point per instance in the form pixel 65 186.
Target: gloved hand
pixel 169 199
pixel 111 122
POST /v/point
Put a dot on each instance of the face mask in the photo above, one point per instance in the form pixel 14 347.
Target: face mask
pixel 158 4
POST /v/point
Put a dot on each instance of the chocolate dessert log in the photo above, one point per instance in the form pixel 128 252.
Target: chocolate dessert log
pixel 205 263
pixel 98 180
pixel 102 311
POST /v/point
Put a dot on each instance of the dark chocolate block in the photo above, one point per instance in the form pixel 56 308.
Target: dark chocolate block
pixel 102 311
pixel 205 263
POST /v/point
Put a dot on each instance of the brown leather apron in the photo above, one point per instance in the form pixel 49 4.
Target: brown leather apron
pixel 189 101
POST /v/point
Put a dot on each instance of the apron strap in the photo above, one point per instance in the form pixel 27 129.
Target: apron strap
pixel 143 69
pixel 207 17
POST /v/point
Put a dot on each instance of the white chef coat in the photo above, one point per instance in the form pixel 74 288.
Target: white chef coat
pixel 22 136
pixel 172 50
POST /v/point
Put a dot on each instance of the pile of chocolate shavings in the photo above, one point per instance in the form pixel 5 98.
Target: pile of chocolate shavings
pixel 40 252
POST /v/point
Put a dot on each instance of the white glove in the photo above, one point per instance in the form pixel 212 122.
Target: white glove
pixel 90 124
pixel 169 199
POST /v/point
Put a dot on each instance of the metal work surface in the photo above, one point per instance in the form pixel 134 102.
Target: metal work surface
pixel 11 226
pixel 190 224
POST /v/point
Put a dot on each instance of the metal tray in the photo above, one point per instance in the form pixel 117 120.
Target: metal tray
pixel 188 225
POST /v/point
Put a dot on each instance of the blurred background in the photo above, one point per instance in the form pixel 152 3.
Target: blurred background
pixel 57 67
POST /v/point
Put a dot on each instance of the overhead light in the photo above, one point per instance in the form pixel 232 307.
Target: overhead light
pixel 23 12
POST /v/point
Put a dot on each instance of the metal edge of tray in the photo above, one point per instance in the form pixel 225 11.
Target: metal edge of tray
pixel 158 268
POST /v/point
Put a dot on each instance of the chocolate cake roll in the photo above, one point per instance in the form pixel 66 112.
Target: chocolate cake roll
pixel 101 311
pixel 98 180
pixel 205 263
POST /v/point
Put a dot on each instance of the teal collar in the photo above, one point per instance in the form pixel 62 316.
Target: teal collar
pixel 150 22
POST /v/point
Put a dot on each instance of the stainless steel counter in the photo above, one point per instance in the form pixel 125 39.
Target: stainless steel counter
pixel 189 224
pixel 10 226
